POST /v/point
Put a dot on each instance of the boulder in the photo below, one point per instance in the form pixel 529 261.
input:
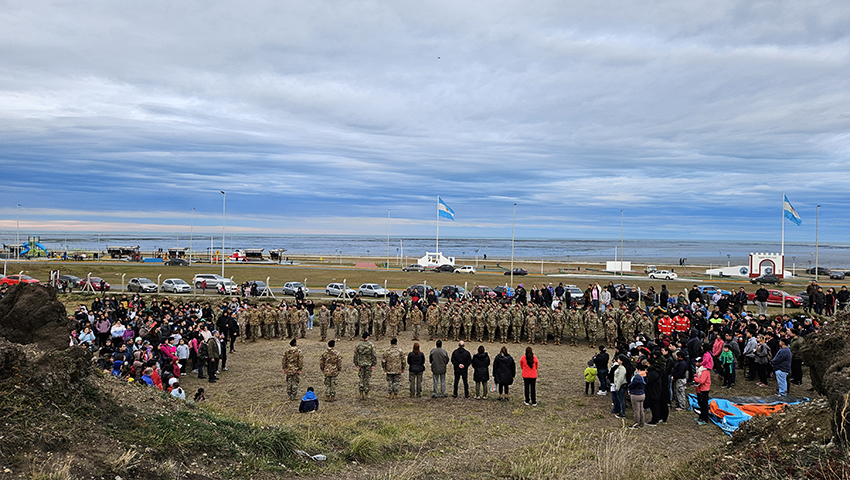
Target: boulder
pixel 31 313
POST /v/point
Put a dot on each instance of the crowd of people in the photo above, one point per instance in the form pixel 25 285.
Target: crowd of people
pixel 655 351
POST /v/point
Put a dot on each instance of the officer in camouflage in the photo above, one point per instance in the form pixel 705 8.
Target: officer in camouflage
pixel 393 364
pixel 415 318
pixel 575 325
pixel 323 318
pixel 330 364
pixel 364 361
pixel 504 323
pixel 292 364
pixel 557 325
pixel 543 321
pixel 592 324
pixel 351 319
pixel 492 323
pixel 531 324
pixel 517 318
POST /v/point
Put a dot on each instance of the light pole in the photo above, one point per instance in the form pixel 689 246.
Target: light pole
pixel 728 259
pixel 192 236
pixel 817 219
pixel 621 246
pixel 513 233
pixel 223 209
pixel 794 266
pixel 17 232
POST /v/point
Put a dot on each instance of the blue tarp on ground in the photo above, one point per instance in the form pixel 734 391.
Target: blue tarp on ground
pixel 728 413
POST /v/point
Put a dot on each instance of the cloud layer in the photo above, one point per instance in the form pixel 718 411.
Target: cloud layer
pixel 319 117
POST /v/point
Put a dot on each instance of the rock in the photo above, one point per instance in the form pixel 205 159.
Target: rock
pixel 31 313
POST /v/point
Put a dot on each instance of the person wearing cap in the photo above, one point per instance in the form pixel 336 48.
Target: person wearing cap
pixel 330 364
pixel 364 361
pixel 702 379
pixel 292 363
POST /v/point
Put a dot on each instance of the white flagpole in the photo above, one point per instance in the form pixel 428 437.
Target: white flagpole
pixel 438 225
pixel 783 228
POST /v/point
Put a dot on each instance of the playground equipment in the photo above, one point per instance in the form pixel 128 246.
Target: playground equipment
pixel 33 248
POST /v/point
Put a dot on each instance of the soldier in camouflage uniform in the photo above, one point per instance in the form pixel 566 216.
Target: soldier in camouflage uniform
pixel 292 318
pixel 457 321
pixel 479 316
pixel 292 364
pixel 279 322
pixel 323 318
pixel 609 318
pixel 255 323
pixel 330 364
pixel 504 323
pixel 592 323
pixel 415 320
pixel 351 318
pixel 394 320
pixel 379 320
pixel 445 321
pixel 517 317
pixel 531 324
pixel 433 318
pixel 575 326
pixel 632 319
pixel 243 318
pixel 365 319
pixel 492 323
pixel 645 324
pixel 339 321
pixel 468 319
pixel 557 325
pixel 364 361
pixel 303 318
pixel 264 320
pixel 393 364
pixel 544 319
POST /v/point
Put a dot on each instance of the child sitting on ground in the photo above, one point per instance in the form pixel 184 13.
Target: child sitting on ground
pixel 590 377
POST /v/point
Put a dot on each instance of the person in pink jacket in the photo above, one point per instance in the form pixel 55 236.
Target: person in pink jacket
pixel 702 379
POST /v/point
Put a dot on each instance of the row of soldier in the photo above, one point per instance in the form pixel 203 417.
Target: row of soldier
pixel 462 319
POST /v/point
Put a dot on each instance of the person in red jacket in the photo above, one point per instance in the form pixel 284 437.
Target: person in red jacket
pixel 529 365
pixel 665 325
pixel 702 379
pixel 681 325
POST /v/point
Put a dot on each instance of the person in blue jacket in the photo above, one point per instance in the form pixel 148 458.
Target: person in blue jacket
pixel 309 403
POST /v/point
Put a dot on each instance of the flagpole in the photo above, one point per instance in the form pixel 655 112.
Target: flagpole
pixel 783 230
pixel 438 225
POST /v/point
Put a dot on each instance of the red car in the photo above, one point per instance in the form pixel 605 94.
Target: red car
pixel 16 279
pixel 95 284
pixel 775 298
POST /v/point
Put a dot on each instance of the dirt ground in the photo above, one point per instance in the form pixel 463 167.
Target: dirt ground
pixel 444 438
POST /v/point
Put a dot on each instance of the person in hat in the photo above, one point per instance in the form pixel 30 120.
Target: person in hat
pixel 292 363
pixel 702 379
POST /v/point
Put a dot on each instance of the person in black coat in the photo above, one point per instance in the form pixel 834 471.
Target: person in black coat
pixel 416 368
pixel 504 371
pixel 653 394
pixel 461 359
pixel 481 371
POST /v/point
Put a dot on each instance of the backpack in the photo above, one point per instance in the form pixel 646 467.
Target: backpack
pixel 203 351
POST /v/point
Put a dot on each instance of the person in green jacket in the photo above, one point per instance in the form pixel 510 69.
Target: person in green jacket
pixel 590 378
pixel 727 362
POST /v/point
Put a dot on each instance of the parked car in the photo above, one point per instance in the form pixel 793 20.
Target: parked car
pixel 177 262
pixel 482 291
pixel 836 275
pixel 504 291
pixel 372 290
pixel 97 284
pixel 420 289
pixel 711 289
pixel 449 290
pixel 465 269
pixel 650 269
pixel 575 292
pixel 230 287
pixel 291 288
pixel 415 268
pixel 775 298
pixel 518 271
pixel 211 278
pixel 766 278
pixel 16 279
pixel 142 285
pixel 804 296
pixel 175 285
pixel 665 274
pixel 339 290
pixel 261 286
pixel 445 268
pixel 73 280
pixel 819 270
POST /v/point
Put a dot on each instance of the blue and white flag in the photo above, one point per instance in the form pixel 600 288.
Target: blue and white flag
pixel 790 213
pixel 443 210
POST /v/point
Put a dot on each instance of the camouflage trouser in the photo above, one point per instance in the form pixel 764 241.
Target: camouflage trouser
pixel 432 330
pixel 443 331
pixel 593 334
pixel 491 331
pixel 416 384
pixel 244 328
pixel 365 376
pixel 544 334
pixel 479 331
pixel 379 329
pixel 392 331
pixel 532 333
pixel 330 387
pixel 467 330
pixel 393 382
pixel 517 331
pixel 302 328
pixel 255 332
pixel 324 331
pixel 416 332
pixel 557 333
pixel 266 329
pixel 611 335
pixel 456 330
pixel 364 327
pixel 291 330
pixel 338 328
pixel 503 331
pixel 292 381
pixel 575 331
pixel 276 331
pixel 350 329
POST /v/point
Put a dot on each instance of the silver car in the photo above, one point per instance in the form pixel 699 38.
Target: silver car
pixel 175 285
pixel 372 290
pixel 338 289
pixel 142 285
pixel 291 288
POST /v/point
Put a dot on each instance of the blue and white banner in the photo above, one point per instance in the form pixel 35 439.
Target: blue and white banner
pixel 443 210
pixel 790 213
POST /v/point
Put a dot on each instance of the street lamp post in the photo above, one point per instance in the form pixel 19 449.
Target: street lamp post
pixel 728 259
pixel 192 236
pixel 817 219
pixel 18 232
pixel 621 246
pixel 794 266
pixel 513 233
pixel 223 210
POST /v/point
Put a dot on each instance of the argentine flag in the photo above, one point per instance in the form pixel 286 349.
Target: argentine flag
pixel 443 210
pixel 790 213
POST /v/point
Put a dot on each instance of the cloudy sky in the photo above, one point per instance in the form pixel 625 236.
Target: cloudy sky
pixel 319 117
